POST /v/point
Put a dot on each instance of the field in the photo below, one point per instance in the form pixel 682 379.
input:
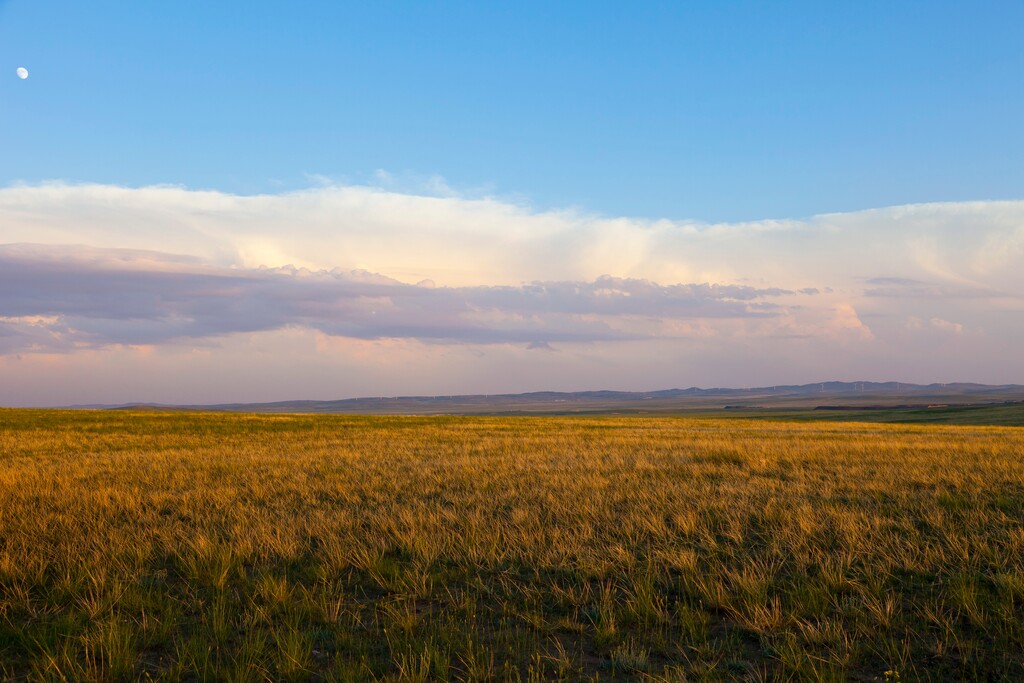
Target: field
pixel 189 546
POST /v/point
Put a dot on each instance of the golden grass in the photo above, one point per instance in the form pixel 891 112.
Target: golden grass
pixel 255 547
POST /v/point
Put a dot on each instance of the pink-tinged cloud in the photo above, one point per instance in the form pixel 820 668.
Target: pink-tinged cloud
pixel 176 295
pixel 62 299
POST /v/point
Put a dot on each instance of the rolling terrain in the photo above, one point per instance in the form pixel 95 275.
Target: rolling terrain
pixel 863 401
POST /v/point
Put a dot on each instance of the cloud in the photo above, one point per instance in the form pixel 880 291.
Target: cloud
pixel 65 298
pixel 897 287
pixel 303 287
pixel 847 322
pixel 456 241
pixel 946 326
pixel 955 328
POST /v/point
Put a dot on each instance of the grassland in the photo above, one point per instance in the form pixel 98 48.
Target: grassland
pixel 186 546
pixel 995 415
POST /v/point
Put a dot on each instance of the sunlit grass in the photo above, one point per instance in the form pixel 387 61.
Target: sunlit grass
pixel 247 548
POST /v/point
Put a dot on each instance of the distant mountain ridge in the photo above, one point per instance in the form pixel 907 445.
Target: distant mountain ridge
pixel 830 394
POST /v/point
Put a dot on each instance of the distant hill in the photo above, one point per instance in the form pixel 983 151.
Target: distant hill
pixel 822 396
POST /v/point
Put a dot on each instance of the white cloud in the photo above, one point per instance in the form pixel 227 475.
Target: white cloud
pixel 100 272
pixel 457 242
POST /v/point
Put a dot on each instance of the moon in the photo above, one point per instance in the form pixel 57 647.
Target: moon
pixel 22 73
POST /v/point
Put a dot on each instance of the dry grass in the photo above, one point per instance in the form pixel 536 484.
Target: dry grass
pixel 248 548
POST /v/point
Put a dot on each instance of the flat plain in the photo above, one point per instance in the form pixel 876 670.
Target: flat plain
pixel 199 546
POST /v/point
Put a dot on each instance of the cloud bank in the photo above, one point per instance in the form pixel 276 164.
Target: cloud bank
pixel 94 272
pixel 59 298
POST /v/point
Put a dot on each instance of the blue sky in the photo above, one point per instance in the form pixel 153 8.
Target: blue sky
pixel 216 202
pixel 719 111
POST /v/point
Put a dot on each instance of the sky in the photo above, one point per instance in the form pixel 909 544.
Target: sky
pixel 215 202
